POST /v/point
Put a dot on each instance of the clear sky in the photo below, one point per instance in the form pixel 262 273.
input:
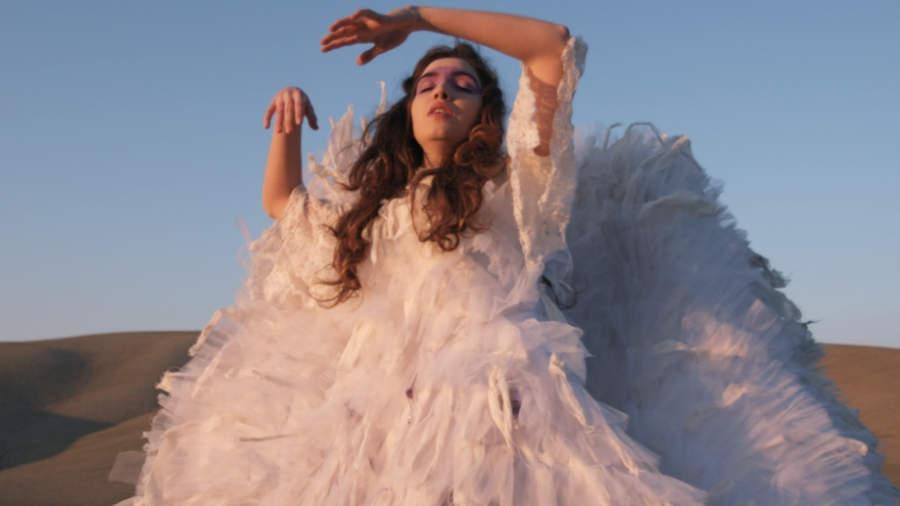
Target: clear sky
pixel 131 140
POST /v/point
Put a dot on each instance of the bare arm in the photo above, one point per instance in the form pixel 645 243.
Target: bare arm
pixel 284 168
pixel 538 44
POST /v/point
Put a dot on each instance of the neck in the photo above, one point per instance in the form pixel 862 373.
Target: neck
pixel 434 154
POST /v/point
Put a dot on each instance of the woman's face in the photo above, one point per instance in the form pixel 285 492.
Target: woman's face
pixel 446 104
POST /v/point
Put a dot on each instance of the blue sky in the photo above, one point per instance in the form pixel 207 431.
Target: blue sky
pixel 131 140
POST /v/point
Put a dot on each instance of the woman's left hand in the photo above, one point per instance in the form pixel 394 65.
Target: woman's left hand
pixel 386 31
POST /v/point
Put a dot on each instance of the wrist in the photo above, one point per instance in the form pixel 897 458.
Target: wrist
pixel 417 21
pixel 288 142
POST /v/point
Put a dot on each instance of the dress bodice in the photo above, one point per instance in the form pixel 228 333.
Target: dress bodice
pixel 528 213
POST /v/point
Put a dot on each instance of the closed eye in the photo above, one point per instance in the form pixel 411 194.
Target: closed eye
pixel 464 87
pixel 460 81
pixel 465 83
pixel 424 85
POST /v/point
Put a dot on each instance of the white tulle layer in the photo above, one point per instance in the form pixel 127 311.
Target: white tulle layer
pixel 692 340
pixel 465 394
pixel 455 380
pixel 441 385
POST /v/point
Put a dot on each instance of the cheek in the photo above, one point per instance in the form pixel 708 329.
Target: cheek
pixel 473 113
pixel 416 111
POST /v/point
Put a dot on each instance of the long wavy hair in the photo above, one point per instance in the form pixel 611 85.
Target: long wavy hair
pixel 391 164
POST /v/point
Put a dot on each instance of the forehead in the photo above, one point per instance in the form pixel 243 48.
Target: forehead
pixel 452 62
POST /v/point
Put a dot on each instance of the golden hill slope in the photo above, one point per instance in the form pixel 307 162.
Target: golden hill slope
pixel 69 406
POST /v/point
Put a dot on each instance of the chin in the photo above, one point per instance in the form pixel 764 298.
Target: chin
pixel 446 140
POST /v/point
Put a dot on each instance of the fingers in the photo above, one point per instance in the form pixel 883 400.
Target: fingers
pixel 310 114
pixel 289 107
pixel 301 106
pixel 341 23
pixel 354 18
pixel 346 41
pixel 345 32
pixel 362 26
pixel 279 115
pixel 369 55
pixel 346 36
pixel 339 33
pixel 287 116
pixel 363 13
pixel 267 118
pixel 297 107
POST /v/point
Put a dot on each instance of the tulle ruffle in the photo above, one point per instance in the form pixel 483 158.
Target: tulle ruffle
pixel 692 339
pixel 440 385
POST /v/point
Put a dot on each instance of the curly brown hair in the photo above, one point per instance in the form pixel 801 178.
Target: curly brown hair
pixel 392 160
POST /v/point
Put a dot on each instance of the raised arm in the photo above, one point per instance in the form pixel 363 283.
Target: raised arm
pixel 538 44
pixel 284 167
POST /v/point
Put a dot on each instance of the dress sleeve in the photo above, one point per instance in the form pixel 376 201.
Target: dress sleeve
pixel 543 187
pixel 295 253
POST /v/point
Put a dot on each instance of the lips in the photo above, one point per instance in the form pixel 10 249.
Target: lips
pixel 439 109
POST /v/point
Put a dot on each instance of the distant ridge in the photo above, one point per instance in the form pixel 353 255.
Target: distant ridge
pixel 69 406
pixel 869 378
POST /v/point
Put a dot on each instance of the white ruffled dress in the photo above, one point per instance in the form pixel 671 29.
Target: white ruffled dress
pixel 455 380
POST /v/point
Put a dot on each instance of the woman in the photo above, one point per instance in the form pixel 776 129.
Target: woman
pixel 398 341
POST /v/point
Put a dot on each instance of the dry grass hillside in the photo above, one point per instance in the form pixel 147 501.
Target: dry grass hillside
pixel 869 378
pixel 69 406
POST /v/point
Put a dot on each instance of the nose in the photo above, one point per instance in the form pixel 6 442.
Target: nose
pixel 440 91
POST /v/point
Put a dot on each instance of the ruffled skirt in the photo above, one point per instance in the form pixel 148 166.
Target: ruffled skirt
pixel 437 387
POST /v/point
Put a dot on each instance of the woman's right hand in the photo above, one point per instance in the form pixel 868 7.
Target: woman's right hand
pixel 289 107
pixel 385 31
